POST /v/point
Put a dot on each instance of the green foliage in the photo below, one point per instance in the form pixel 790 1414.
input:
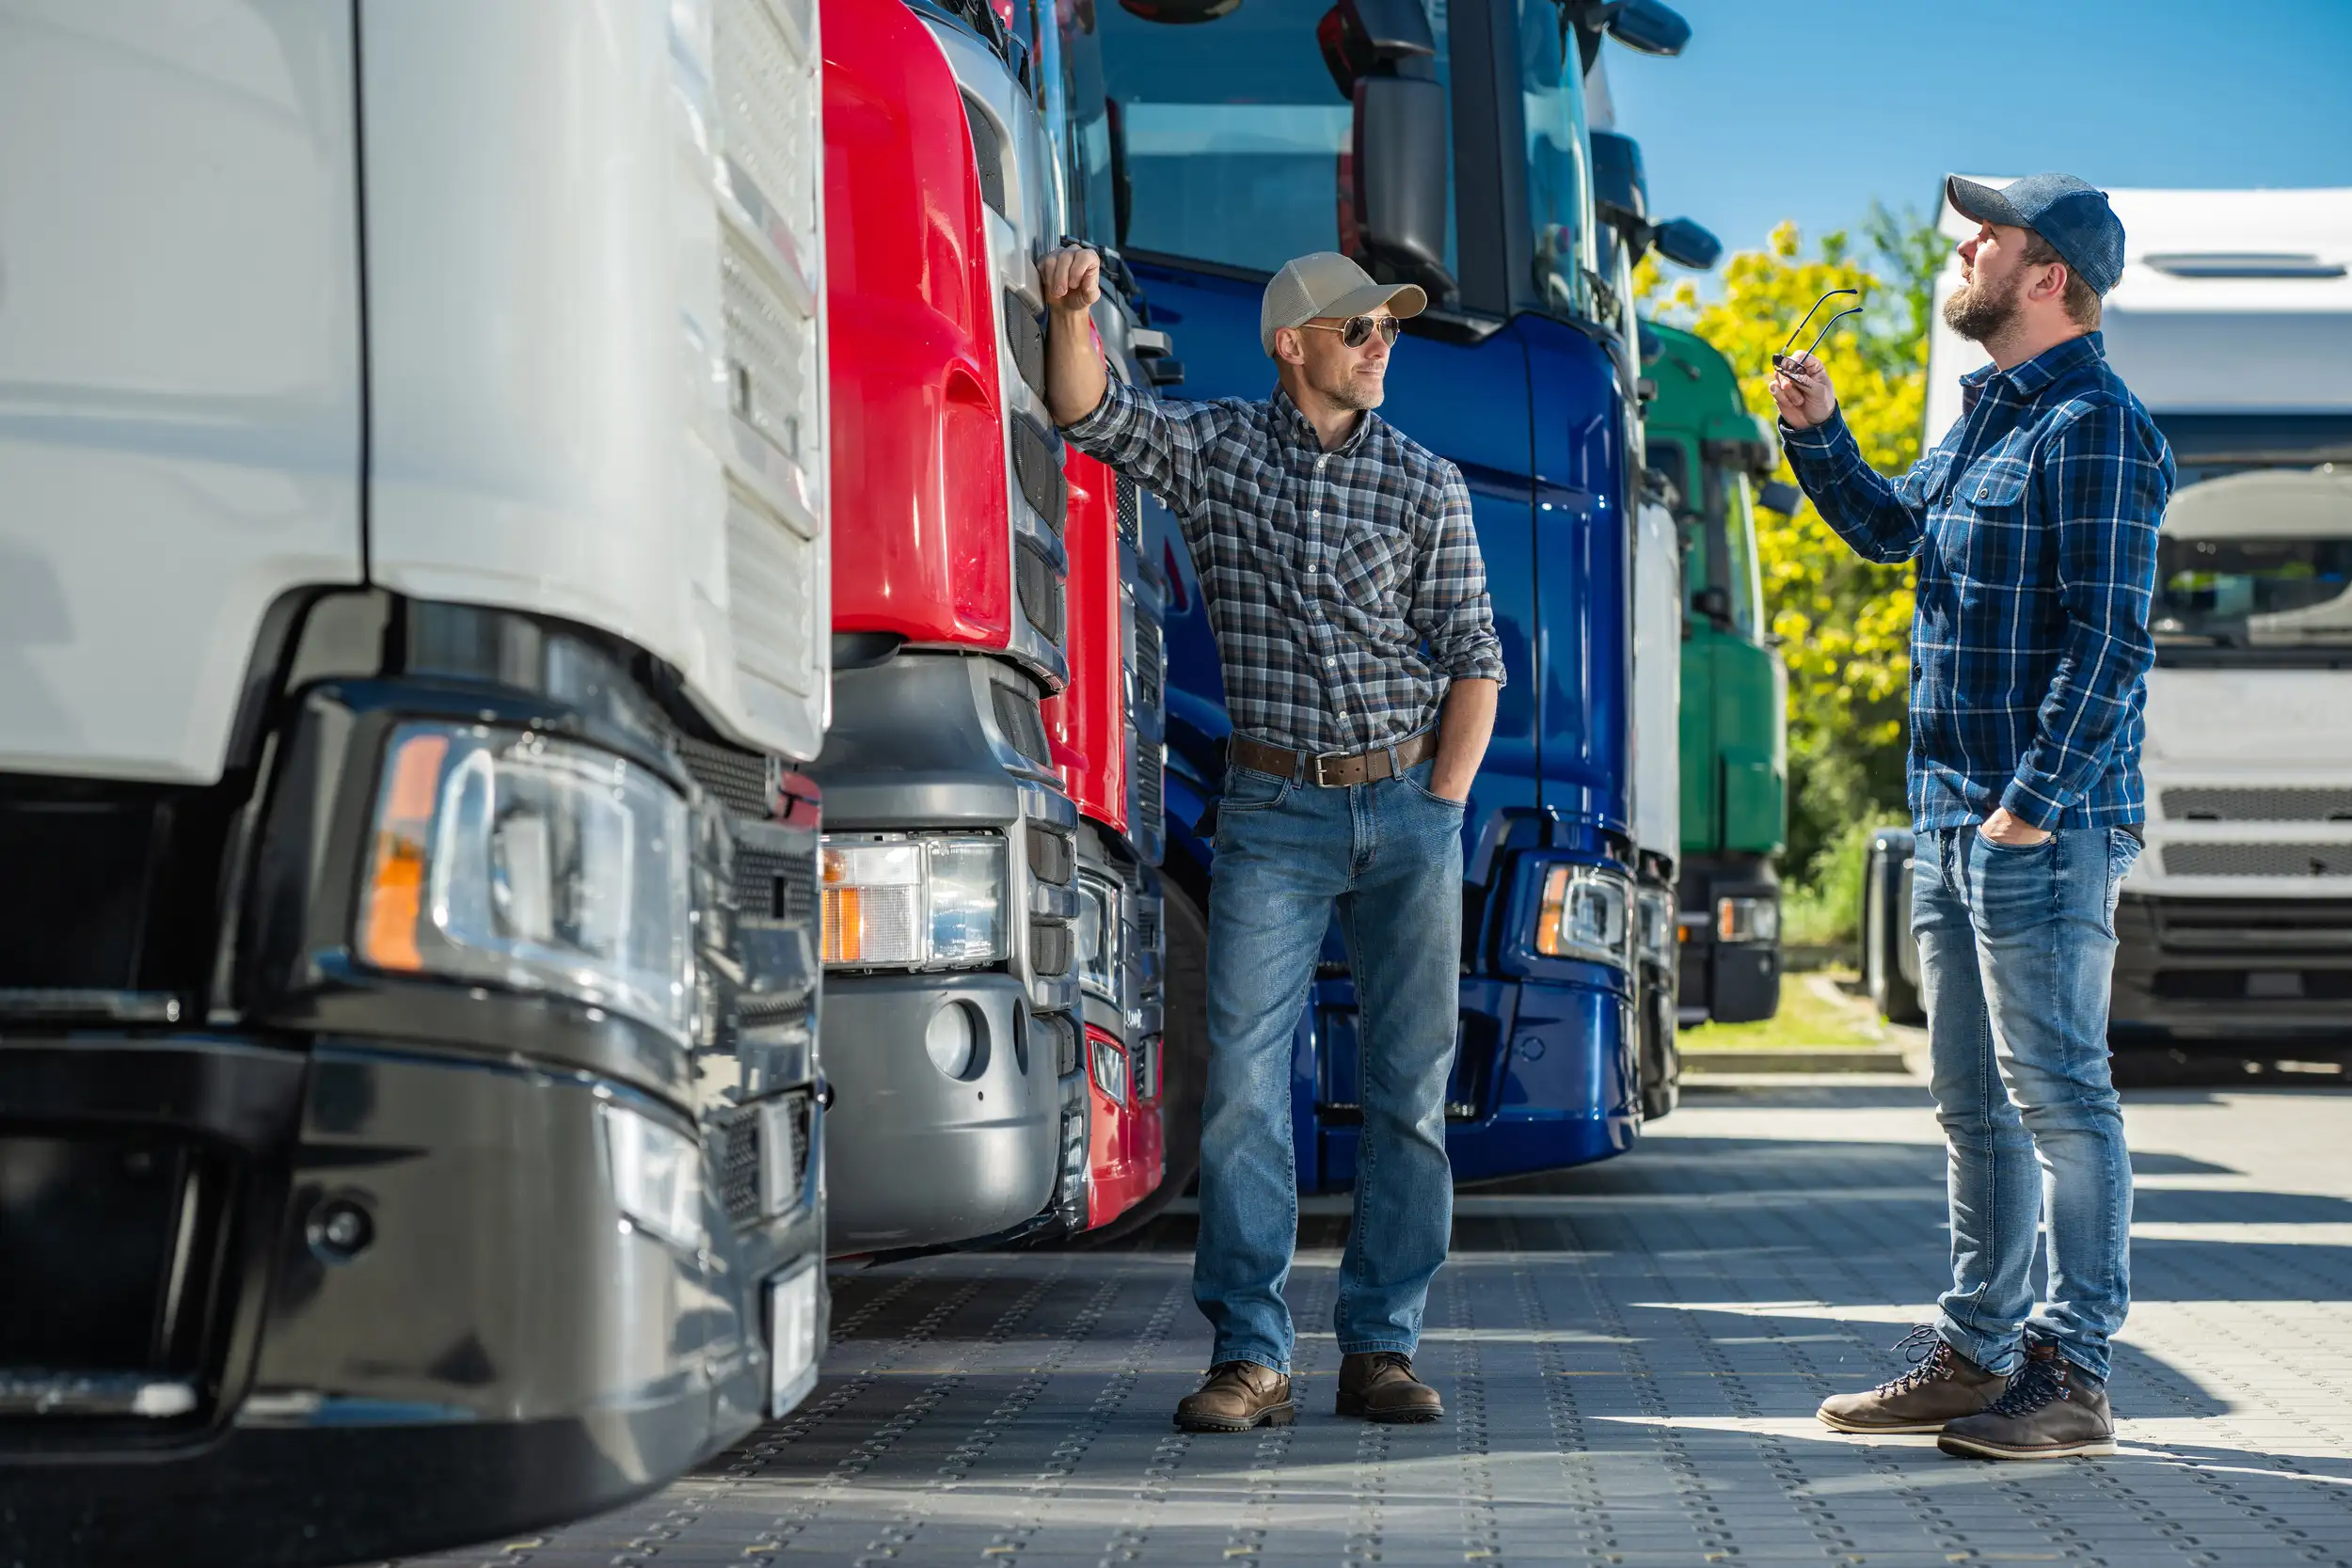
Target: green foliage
pixel 1844 623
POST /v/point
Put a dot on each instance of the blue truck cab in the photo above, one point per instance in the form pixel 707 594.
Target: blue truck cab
pixel 1446 145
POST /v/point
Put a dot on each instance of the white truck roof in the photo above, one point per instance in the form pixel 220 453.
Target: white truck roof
pixel 2231 302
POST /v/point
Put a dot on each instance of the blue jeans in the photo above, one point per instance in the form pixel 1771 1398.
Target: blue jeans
pixel 2016 948
pixel 1388 857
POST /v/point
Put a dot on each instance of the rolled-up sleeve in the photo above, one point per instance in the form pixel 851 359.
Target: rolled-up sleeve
pixel 1450 607
pixel 1161 444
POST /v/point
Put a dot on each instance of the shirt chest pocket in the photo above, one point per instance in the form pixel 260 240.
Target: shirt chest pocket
pixel 1371 564
pixel 1990 542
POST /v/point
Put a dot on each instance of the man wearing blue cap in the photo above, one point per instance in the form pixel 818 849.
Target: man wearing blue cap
pixel 2034 526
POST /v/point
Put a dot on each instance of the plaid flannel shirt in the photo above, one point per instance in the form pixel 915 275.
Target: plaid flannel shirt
pixel 2034 522
pixel 1345 587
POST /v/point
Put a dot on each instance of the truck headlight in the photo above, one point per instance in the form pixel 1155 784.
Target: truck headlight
pixel 1656 909
pixel 656 1176
pixel 531 863
pixel 896 900
pixel 1584 916
pixel 1101 945
pixel 1108 1063
pixel 1747 920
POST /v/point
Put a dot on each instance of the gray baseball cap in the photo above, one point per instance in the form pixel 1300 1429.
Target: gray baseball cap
pixel 2071 215
pixel 1329 284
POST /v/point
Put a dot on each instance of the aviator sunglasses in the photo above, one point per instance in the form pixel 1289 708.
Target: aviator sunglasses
pixel 1781 359
pixel 1356 330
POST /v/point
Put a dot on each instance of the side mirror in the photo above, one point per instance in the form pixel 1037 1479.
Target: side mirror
pixel 1683 242
pixel 1619 189
pixel 1358 37
pixel 1778 494
pixel 1400 178
pixel 1645 27
pixel 1178 13
pixel 1713 603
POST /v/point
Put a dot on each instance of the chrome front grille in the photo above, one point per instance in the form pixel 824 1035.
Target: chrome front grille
pixel 1131 513
pixel 742 782
pixel 2230 804
pixel 740 1187
pixel 2258 859
pixel 1036 464
pixel 1041 592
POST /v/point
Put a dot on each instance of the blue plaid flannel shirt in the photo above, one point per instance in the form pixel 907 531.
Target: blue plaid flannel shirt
pixel 2034 523
pixel 1345 587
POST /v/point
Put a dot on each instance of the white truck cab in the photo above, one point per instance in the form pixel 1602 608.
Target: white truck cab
pixel 413 587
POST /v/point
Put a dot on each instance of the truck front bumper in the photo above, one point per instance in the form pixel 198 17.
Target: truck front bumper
pixel 1546 1076
pixel 920 1159
pixel 2266 970
pixel 302 1306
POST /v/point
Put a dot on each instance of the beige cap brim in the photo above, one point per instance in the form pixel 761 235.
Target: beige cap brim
pixel 1403 299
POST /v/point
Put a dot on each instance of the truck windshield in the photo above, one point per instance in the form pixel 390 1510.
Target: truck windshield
pixel 1551 90
pixel 1236 139
pixel 2256 558
pixel 1077 111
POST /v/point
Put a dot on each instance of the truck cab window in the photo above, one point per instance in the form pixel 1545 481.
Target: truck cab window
pixel 1087 150
pixel 1559 182
pixel 2256 559
pixel 1744 576
pixel 1237 140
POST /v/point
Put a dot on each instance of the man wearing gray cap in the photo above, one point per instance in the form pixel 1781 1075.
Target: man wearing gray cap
pixel 1344 585
pixel 2034 527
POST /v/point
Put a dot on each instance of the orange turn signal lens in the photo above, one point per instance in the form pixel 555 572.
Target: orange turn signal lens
pixel 393 895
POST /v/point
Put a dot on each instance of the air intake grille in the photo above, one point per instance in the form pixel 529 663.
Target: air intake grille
pixel 1017 717
pixel 739 1168
pixel 741 782
pixel 1150 786
pixel 988 153
pixel 1037 463
pixel 1151 664
pixel 2258 859
pixel 2258 806
pixel 1050 946
pixel 1027 338
pixel 771 887
pixel 1131 513
pixel 1041 590
pixel 1051 858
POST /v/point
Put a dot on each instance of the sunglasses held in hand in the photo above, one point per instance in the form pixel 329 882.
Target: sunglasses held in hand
pixel 1356 330
pixel 1781 361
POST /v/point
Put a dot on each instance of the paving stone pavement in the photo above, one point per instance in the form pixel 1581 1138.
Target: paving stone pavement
pixel 1629 1354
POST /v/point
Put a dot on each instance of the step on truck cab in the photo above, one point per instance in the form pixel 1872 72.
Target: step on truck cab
pixel 1718 460
pixel 1447 147
pixel 1626 233
pixel 2233 325
pixel 413 454
pixel 950 886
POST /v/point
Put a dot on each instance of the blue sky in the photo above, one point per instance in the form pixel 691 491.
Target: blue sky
pixel 1809 108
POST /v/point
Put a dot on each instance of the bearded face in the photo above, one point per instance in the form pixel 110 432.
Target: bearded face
pixel 1982 306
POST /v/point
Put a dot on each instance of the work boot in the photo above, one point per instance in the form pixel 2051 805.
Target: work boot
pixel 1941 1387
pixel 1237 1395
pixel 1379 1385
pixel 2052 1409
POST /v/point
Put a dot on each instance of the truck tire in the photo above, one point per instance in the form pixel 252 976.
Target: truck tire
pixel 1886 930
pixel 1183 1061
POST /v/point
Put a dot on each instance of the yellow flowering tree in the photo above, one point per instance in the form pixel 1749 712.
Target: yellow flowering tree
pixel 1844 623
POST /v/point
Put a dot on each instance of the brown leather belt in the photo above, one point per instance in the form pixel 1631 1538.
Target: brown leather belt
pixel 1331 770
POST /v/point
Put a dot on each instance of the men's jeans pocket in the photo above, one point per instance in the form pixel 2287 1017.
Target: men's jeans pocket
pixel 1247 789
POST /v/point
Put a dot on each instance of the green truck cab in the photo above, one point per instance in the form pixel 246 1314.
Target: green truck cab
pixel 1717 458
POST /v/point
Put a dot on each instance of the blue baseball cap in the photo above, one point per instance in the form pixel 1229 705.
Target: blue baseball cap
pixel 2072 217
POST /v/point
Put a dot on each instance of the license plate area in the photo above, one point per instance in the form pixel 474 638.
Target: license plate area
pixel 792 1337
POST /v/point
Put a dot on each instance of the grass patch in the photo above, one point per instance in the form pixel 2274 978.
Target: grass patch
pixel 1808 1020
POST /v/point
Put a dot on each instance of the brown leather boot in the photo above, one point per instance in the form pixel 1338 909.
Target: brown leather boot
pixel 1238 1395
pixel 2052 1409
pixel 1379 1385
pixel 1942 1386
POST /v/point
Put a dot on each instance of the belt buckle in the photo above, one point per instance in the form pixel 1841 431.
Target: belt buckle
pixel 1320 758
